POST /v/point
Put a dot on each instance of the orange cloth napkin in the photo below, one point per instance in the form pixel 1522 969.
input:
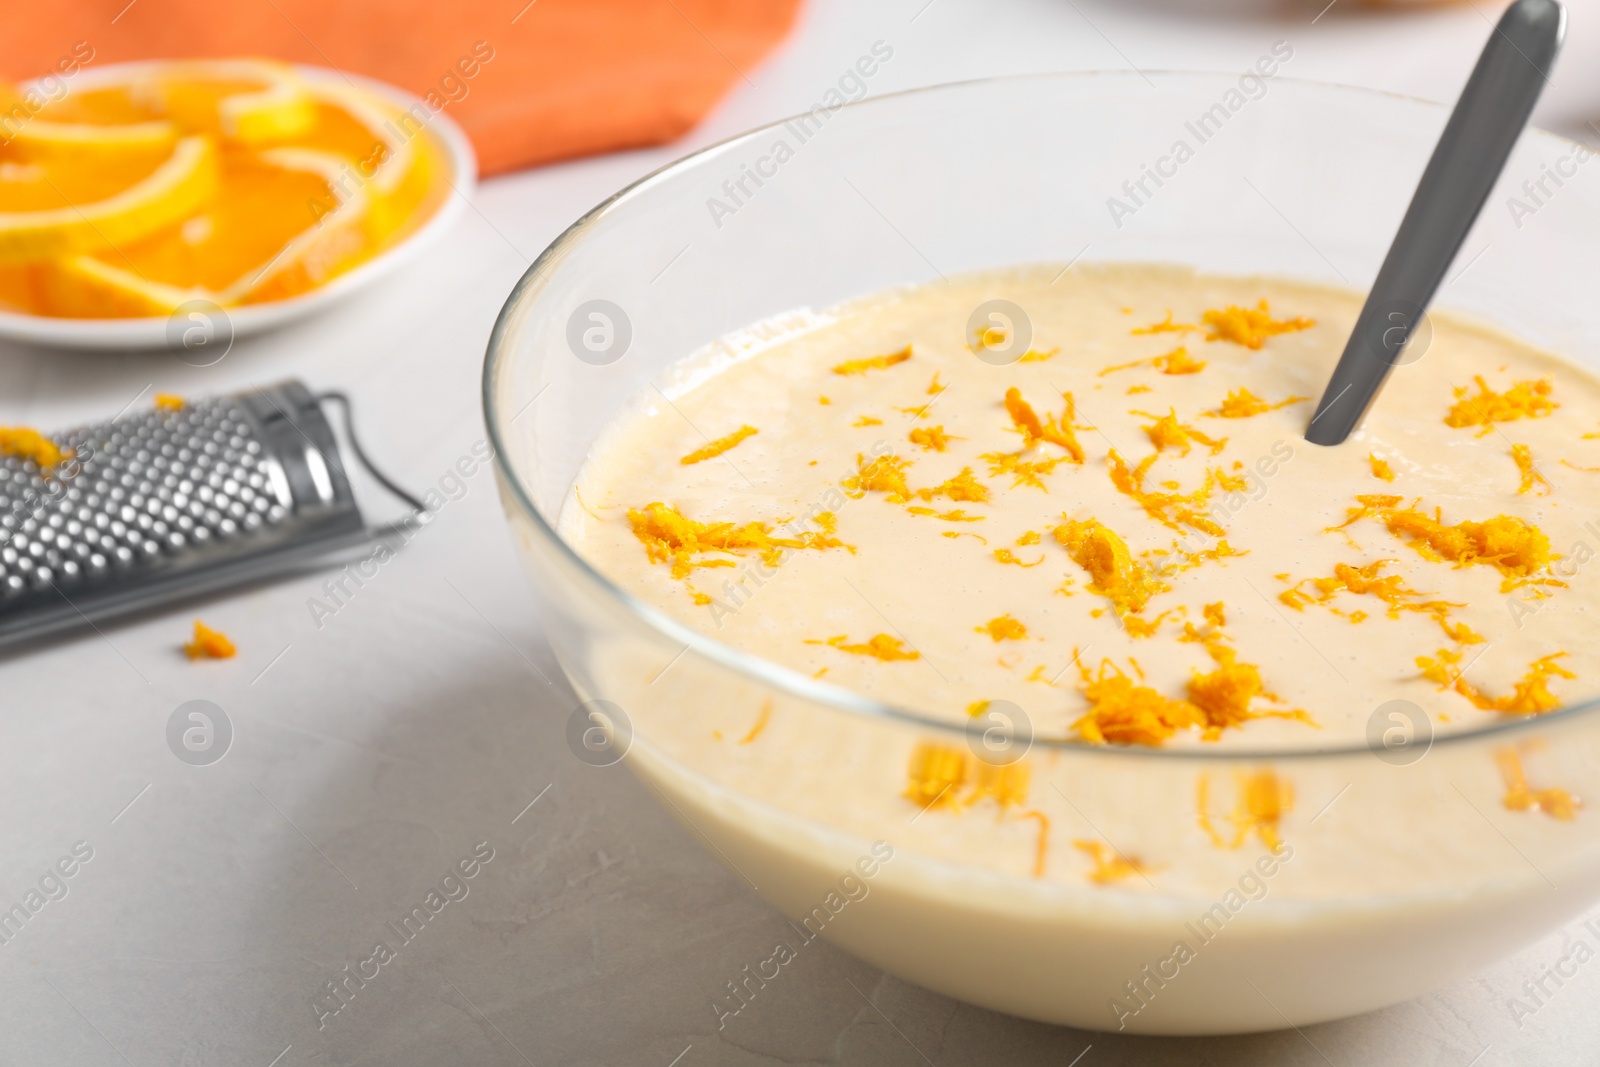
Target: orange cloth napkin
pixel 530 84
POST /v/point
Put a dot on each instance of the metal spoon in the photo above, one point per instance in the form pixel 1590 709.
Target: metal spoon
pixel 1488 119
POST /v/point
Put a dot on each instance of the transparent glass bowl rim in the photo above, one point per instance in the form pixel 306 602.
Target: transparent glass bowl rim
pixel 793 682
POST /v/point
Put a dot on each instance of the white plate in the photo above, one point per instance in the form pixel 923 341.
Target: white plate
pixel 165 332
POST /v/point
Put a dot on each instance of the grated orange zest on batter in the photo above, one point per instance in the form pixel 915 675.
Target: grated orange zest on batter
pixel 1023 471
pixel 1058 431
pixel 1029 538
pixel 861 366
pixel 1380 467
pixel 1178 361
pixel 886 474
pixel 1003 628
pixel 1166 325
pixel 1516 548
pixel 1005 555
pixel 1167 432
pixel 1522 456
pixel 719 446
pixel 1241 403
pixel 1390 588
pixel 932 438
pixel 1115 574
pixel 1033 355
pixel 1524 400
pixel 1124 713
pixel 878 646
pixel 1530 696
pixel 669 536
pixel 1555 802
pixel 1249 327
pixel 867 420
pixel 1130 482
pixel 1225 695
pixel 963 488
pixel 956 515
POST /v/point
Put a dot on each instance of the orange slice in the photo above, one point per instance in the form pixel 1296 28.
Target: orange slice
pixel 334 243
pixel 250 100
pixel 233 181
pixel 58 129
pixel 59 207
pixel 257 240
pixel 389 155
pixel 41 139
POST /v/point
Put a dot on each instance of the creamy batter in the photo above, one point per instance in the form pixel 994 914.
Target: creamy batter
pixel 1132 498
pixel 1117 534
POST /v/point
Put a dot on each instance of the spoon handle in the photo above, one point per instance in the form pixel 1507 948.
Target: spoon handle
pixel 1488 119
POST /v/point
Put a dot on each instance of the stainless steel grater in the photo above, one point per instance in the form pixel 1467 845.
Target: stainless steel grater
pixel 166 505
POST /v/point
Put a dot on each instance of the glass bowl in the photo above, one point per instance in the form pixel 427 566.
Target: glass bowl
pixel 1280 177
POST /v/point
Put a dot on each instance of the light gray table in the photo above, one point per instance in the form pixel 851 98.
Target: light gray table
pixel 374 752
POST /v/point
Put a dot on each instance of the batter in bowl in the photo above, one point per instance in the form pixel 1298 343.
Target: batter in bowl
pixel 1084 498
pixel 1122 530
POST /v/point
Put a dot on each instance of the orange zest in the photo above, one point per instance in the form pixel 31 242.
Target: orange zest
pixel 1516 548
pixel 1390 588
pixel 669 536
pixel 719 446
pixel 964 488
pixel 1522 456
pixel 886 474
pixel 1166 325
pixel 1003 628
pixel 1530 696
pixel 1249 327
pixel 1241 403
pixel 1113 571
pixel 861 366
pixel 878 646
pixel 1178 361
pixel 1174 510
pixel 1058 431
pixel 1380 467
pixel 1524 400
pixel 24 442
pixel 932 438
pixel 1122 712
pixel 1167 432
pixel 208 643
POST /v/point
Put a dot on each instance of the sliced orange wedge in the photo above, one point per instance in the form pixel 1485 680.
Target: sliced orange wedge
pixel 233 181
pixel 250 100
pixel 259 239
pixel 59 207
pixel 334 243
